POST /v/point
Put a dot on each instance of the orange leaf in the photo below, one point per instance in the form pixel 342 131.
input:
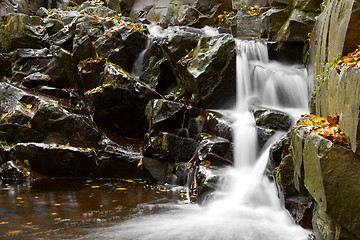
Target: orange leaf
pixel 109 34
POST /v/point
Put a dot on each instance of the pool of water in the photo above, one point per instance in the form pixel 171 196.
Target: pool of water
pixel 70 208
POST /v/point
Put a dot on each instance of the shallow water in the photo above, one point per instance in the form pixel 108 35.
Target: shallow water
pixel 68 209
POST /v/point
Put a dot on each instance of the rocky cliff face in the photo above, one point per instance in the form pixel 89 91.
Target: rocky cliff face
pixel 320 172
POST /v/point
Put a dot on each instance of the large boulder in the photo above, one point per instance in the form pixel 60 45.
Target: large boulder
pixel 330 174
pixel 21 31
pixel 209 70
pixel 216 150
pixel 119 104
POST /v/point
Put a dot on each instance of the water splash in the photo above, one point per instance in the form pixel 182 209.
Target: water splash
pixel 246 207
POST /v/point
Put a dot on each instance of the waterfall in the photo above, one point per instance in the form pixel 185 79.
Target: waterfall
pixel 246 205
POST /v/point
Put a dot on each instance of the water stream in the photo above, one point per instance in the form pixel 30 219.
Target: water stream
pixel 246 205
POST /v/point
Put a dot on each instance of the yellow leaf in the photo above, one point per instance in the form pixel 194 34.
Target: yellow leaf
pixel 140 163
pixel 95 187
pixel 121 189
pixel 12 232
pixel 129 180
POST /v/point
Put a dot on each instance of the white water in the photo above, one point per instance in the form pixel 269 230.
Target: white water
pixel 247 207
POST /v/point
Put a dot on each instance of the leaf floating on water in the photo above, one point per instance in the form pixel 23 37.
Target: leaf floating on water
pixel 140 163
pixel 5 188
pixel 54 213
pixel 129 181
pixel 19 198
pixel 2 223
pixel 89 180
pixel 114 201
pixel 57 204
pixel 95 187
pixel 120 189
pixel 13 232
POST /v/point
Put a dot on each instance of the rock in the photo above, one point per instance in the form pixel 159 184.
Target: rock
pixel 53 160
pixel 164 115
pixel 297 27
pixel 35 79
pixel 120 102
pixel 217 125
pixel 272 119
pixel 284 174
pixel 57 63
pixel 208 70
pixel 9 97
pixel 247 26
pixel 179 43
pixel 331 174
pixel 155 69
pixel 97 10
pixel 278 150
pixel 276 19
pixel 122 6
pixel 301 210
pixel 207 181
pixel 18 171
pixel 218 151
pixel 42 12
pixel 159 170
pixel 53 25
pixel 20 31
pixel 263 135
pixel 91 73
pixel 6 7
pixel 169 147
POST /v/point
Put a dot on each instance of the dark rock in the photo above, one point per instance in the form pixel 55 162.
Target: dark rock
pixel 35 79
pixel 98 10
pixel 248 26
pixel 16 170
pixel 158 169
pixel 217 125
pixel 180 43
pixel 276 19
pixel 42 12
pixel 218 151
pixel 119 104
pixel 53 25
pixel 263 135
pixel 55 124
pixel 91 73
pixel 164 115
pixel 63 38
pixel 207 182
pixel 301 209
pixel 9 97
pixel 155 69
pixel 209 70
pixel 168 147
pixel 284 176
pixel 278 150
pixel 272 119
pixel 53 160
pixel 122 6
pixel 83 48
pixel 20 31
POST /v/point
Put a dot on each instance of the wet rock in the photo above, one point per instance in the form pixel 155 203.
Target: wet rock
pixel 330 176
pixel 207 182
pixel 53 25
pixel 63 38
pixel 98 10
pixel 180 43
pixel 20 31
pixel 42 12
pixel 18 171
pixel 209 69
pixel 284 174
pixel 272 119
pixel 35 79
pixel 9 97
pixel 53 160
pixel 218 151
pixel 263 135
pixel 301 210
pixel 119 104
pixel 91 73
pixel 57 63
pixel 6 7
pixel 159 170
pixel 297 27
pixel 155 69
pixel 217 125
pixel 164 115
pixel 247 26
pixel 169 147
pixel 123 6
pixel 278 150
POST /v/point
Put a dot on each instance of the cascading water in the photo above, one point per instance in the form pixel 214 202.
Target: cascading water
pixel 246 207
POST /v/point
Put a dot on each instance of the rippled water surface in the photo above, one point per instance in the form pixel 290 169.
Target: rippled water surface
pixel 68 209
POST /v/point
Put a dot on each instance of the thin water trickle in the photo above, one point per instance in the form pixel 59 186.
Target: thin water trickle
pixel 246 205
